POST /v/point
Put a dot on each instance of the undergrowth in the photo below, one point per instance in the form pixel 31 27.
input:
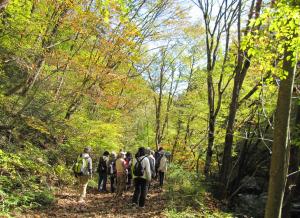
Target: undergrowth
pixel 27 179
pixel 187 196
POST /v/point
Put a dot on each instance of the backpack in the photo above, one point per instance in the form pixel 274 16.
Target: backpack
pixel 138 169
pixel 102 167
pixel 157 160
pixel 81 165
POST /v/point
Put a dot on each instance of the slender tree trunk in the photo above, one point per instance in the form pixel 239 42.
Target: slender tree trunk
pixel 158 103
pixel 280 148
pixel 226 161
pixel 158 116
pixel 176 138
pixel 291 184
pixel 215 29
pixel 211 138
pixel 293 165
pixel 243 64
pixel 73 107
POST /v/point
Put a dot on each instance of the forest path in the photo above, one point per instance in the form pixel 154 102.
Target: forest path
pixel 101 205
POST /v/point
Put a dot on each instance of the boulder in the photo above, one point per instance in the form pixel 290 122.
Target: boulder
pixel 250 205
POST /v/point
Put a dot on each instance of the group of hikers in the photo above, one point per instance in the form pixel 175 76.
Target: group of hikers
pixel 122 169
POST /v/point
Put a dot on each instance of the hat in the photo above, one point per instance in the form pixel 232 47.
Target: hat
pixel 121 154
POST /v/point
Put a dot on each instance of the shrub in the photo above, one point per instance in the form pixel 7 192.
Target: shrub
pixel 24 180
pixel 187 196
pixel 184 188
pixel 44 198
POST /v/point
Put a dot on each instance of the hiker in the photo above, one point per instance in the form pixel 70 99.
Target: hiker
pixel 103 171
pixel 83 171
pixel 121 174
pixel 112 171
pixel 158 155
pixel 162 169
pixel 128 160
pixel 141 176
pixel 149 155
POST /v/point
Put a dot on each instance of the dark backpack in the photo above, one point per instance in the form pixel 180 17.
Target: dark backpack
pixel 138 169
pixel 102 167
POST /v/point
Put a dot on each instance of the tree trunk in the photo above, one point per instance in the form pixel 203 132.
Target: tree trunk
pixel 215 29
pixel 211 138
pixel 176 138
pixel 243 64
pixel 280 147
pixel 158 120
pixel 158 104
pixel 226 161
pixel 293 166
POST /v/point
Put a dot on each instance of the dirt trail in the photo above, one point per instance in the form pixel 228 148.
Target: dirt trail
pixel 101 205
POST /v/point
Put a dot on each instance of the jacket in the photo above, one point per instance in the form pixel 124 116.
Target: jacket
pixel 146 165
pixel 102 159
pixel 120 166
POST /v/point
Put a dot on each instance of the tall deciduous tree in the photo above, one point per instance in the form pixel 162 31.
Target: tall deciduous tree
pixel 217 28
pixel 285 16
pixel 281 147
pixel 240 71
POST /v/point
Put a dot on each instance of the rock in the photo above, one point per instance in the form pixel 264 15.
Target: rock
pixel 250 204
pixel 295 208
pixel 250 185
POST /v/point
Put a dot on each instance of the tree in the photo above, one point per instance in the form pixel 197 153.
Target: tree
pixel 217 28
pixel 281 140
pixel 281 147
pixel 292 184
pixel 240 71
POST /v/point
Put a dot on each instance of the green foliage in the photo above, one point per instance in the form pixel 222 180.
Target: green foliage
pixel 188 213
pixel 27 178
pixel 278 32
pixel 44 198
pixel 186 195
